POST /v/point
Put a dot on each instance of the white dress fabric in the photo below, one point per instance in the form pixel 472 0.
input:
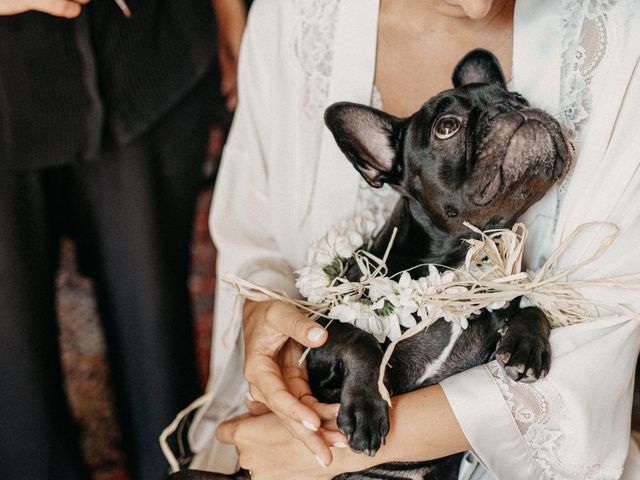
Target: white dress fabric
pixel 283 182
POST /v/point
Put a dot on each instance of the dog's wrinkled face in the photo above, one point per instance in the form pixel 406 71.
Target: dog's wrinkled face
pixel 475 153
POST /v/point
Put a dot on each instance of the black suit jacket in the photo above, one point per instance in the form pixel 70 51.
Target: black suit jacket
pixel 68 86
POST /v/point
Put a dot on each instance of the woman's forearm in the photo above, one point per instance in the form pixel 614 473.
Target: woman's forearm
pixel 423 427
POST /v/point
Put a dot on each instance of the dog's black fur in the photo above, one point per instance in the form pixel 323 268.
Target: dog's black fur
pixel 476 153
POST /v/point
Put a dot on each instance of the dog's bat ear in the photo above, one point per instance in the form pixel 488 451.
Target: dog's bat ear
pixel 369 138
pixel 478 66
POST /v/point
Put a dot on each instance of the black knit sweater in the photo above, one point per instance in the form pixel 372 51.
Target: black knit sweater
pixel 68 86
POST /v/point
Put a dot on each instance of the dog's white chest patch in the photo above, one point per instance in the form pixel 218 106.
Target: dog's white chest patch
pixel 434 367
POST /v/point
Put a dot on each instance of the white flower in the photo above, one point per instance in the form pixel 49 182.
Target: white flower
pixel 393 327
pixel 345 244
pixel 320 256
pixel 448 277
pixel 370 322
pixel 312 283
pixel 378 305
pixel 425 286
pixel 380 287
pixel 497 305
pixel 365 318
pixel 407 320
pixel 405 280
pixel 343 312
pixel 455 290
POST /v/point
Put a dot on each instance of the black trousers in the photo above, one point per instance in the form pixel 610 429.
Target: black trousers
pixel 130 213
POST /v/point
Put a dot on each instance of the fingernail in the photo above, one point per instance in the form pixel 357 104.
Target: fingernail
pixel 321 462
pixel 340 445
pixel 310 425
pixel 249 397
pixel 315 334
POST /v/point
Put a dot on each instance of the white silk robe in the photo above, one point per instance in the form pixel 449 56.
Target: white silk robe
pixel 283 183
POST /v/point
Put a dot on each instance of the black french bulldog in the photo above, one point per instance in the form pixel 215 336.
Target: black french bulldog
pixel 475 153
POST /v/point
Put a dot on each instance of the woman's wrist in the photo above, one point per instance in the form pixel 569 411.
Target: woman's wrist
pixel 423 427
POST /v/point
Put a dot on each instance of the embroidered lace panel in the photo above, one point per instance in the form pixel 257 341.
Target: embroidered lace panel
pixel 315 28
pixel 316 25
pixel 584 44
pixel 546 427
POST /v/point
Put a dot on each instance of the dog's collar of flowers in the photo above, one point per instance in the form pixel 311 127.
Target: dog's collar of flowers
pixel 379 304
pixel 490 276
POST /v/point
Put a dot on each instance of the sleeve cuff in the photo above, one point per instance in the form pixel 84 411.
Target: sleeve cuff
pixel 488 424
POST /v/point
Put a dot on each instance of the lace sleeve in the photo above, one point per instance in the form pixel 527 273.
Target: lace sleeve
pixel 542 418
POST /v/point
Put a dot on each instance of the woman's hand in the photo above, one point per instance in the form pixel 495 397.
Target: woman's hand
pixel 231 18
pixel 58 8
pixel 273 335
pixel 423 427
pixel 267 449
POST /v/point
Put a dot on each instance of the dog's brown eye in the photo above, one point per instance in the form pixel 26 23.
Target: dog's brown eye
pixel 447 127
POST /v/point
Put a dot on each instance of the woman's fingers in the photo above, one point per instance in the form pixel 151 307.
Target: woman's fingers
pixel 271 450
pixel 330 425
pixel 279 392
pixel 226 431
pixel 288 320
pixel 326 411
pixel 58 8
pixel 272 391
pixel 256 408
pixel 312 439
pixel 335 439
pixel 271 330
pixel 231 432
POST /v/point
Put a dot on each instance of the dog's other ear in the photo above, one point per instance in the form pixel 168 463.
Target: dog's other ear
pixel 369 139
pixel 478 66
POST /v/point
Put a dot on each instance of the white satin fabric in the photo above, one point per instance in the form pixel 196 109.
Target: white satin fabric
pixel 283 183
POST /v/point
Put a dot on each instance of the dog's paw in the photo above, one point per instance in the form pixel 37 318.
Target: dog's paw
pixel 365 423
pixel 524 357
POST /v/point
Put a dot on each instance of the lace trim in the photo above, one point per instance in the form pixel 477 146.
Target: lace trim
pixel 316 21
pixel 584 44
pixel 542 419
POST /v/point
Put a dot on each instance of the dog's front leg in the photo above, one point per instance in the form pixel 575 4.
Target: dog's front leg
pixel 524 350
pixel 349 365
